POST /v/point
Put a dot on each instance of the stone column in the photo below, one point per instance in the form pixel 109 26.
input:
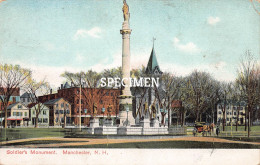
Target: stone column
pixel 125 100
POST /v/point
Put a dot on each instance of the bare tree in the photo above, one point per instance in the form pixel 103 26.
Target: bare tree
pixel 11 78
pixel 35 89
pixel 247 81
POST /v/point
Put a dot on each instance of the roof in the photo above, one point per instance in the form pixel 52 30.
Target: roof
pixel 26 95
pixel 16 91
pixel 66 85
pixel 53 101
pixel 12 105
pixel 152 64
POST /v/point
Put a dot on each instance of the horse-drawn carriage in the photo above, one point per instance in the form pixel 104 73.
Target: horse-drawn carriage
pixel 202 127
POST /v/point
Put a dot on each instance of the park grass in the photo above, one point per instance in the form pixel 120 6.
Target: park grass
pixel 35 142
pixel 25 133
pixel 171 145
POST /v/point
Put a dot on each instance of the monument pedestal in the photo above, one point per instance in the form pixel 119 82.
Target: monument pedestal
pixel 93 123
pixel 108 123
pixel 125 111
pixel 155 123
pixel 145 123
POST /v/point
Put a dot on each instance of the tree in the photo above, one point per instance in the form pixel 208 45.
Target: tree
pixel 247 82
pixel 35 89
pixel 200 89
pixel 11 78
pixel 224 95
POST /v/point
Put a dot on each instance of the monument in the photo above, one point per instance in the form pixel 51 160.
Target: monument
pixel 125 99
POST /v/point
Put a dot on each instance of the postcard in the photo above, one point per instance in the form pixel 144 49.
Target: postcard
pixel 129 82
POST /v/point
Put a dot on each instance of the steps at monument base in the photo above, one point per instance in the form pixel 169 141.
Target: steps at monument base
pixel 105 130
pixel 155 130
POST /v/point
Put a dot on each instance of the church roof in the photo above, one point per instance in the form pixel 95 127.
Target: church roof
pixel 152 65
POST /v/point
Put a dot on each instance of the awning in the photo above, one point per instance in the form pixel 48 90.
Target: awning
pixel 14 118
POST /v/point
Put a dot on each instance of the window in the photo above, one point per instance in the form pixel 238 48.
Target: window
pixel 62 120
pixel 57 112
pixel 68 112
pixel 234 108
pixel 77 101
pixel 25 113
pixel 241 113
pixel 101 102
pixel 219 112
pixel 62 105
pixel 28 99
pixel 57 119
pixel 61 111
pixel 57 105
pixel 235 113
pixel 23 99
pixel 14 113
pixel 44 112
pixel 39 120
pixel 78 110
pixel 227 119
pixel 19 106
pixel 45 120
pixel 112 94
pixel 67 105
pixel 33 112
pixel 107 93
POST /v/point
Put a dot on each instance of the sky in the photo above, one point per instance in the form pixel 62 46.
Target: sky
pixel 53 36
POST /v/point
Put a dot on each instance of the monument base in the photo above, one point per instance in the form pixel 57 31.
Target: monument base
pixel 145 123
pixel 155 123
pixel 94 122
pixel 125 111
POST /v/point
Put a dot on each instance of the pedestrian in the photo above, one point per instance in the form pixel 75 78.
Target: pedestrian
pixel 195 131
pixel 217 131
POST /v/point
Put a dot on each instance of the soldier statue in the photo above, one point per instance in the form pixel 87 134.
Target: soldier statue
pixel 153 111
pixel 109 110
pixel 125 10
pixel 94 109
pixel 146 111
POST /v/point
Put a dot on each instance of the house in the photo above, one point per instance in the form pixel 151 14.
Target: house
pixel 27 98
pixel 17 115
pixel 43 117
pixel 59 112
pixel 13 99
pixel 234 112
pixel 99 96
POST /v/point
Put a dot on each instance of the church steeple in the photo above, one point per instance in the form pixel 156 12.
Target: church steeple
pixel 153 66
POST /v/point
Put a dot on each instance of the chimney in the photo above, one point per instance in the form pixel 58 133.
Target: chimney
pixel 61 86
pixel 50 91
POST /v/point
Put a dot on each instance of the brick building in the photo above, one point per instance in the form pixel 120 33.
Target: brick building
pixel 102 98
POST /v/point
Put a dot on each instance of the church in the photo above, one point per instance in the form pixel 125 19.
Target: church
pixel 146 104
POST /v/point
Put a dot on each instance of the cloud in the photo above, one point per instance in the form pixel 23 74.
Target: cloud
pixel 82 33
pixel 189 47
pixel 213 21
pixel 218 70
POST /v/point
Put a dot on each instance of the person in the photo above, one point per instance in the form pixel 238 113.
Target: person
pixel 217 131
pixel 195 131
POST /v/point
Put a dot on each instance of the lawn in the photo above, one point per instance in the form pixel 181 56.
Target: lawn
pixel 35 142
pixel 25 133
pixel 170 145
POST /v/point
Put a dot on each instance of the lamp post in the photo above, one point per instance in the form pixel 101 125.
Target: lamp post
pixel 127 110
pixel 103 111
pixel 161 110
pixel 165 112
